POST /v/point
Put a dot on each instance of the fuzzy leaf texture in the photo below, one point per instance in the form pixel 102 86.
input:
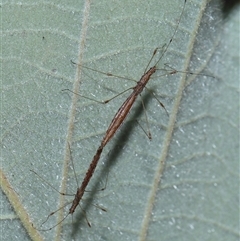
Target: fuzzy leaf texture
pixel 181 185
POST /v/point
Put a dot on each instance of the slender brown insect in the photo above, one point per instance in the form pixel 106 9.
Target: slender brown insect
pixel 117 121
pixel 115 124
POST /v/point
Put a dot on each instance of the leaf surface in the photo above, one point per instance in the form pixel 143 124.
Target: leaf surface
pixel 181 185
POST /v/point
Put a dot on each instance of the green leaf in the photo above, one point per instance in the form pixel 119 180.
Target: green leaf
pixel 181 185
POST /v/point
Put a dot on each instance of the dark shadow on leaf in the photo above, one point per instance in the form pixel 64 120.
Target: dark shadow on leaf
pixel 228 6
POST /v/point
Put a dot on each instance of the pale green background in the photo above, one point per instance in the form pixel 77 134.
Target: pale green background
pixel 197 163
